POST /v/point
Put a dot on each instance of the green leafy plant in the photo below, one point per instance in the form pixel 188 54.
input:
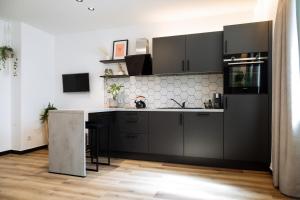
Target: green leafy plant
pixel 45 113
pixel 114 90
pixel 6 53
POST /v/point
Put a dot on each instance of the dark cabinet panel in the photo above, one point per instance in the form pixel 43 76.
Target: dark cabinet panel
pixel 166 133
pixel 130 132
pixel 132 121
pixel 204 52
pixel 168 55
pixel 246 130
pixel 130 142
pixel 244 38
pixel 203 135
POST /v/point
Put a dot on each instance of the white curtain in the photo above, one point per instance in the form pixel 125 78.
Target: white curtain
pixel 286 100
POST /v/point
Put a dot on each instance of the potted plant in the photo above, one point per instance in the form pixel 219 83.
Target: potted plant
pixel 114 90
pixel 44 118
pixel 7 53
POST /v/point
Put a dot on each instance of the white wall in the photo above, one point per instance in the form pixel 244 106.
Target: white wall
pixel 81 52
pixel 22 98
pixel 5 114
pixel 37 83
pixel 9 35
pixel 5 98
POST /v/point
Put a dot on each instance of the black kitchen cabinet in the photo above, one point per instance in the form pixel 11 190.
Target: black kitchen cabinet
pixel 166 133
pixel 168 55
pixel 246 128
pixel 204 52
pixel 203 135
pixel 130 132
pixel 245 38
pixel 195 53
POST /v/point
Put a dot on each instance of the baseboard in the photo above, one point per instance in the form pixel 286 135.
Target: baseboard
pixel 5 152
pixel 24 151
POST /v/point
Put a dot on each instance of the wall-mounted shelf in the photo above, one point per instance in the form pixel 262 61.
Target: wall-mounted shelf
pixel 112 61
pixel 115 76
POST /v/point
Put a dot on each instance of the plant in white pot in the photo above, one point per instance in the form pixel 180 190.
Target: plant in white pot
pixel 114 89
pixel 44 118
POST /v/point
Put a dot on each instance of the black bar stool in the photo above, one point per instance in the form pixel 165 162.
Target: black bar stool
pixel 95 129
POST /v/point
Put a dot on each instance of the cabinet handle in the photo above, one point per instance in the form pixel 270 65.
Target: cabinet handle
pixel 182 65
pixel 131 136
pixel 188 65
pixel 225 46
pixel 181 119
pixel 202 114
pixel 132 121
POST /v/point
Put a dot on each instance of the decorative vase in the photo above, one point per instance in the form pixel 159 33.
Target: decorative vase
pixel 113 103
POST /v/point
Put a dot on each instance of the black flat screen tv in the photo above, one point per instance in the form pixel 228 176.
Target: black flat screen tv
pixel 76 82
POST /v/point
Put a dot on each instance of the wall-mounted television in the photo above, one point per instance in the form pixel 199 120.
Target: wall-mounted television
pixel 76 82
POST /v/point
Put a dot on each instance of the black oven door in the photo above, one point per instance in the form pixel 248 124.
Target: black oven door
pixel 245 77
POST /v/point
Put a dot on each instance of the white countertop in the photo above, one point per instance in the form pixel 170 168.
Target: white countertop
pixel 153 109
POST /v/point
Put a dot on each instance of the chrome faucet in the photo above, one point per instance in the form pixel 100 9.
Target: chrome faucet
pixel 181 105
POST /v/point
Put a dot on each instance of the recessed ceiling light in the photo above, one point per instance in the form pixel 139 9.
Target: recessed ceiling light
pixel 79 1
pixel 91 8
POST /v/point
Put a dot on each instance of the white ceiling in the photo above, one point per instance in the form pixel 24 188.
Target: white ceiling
pixel 68 16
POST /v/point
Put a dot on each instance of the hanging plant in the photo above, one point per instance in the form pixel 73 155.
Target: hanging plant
pixel 7 53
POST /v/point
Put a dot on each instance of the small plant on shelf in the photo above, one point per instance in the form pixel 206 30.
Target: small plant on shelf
pixel 7 53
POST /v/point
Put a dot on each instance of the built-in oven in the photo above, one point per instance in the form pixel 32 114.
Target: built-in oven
pixel 246 73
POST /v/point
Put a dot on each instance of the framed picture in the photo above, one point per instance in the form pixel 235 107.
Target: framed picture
pixel 120 49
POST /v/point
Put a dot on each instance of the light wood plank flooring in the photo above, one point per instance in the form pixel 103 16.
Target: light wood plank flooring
pixel 25 177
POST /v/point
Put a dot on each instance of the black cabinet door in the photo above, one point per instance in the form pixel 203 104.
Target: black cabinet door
pixel 130 132
pixel 204 52
pixel 244 38
pixel 168 55
pixel 203 135
pixel 130 142
pixel 166 133
pixel 246 130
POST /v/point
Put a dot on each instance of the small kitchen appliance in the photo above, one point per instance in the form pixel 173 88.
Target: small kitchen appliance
pixel 140 102
pixel 217 100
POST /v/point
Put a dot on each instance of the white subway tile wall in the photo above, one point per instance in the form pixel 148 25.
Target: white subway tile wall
pixel 158 90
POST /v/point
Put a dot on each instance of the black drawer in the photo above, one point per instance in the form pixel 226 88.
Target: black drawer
pixel 130 142
pixel 135 122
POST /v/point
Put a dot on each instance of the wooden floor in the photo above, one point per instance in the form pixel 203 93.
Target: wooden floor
pixel 25 177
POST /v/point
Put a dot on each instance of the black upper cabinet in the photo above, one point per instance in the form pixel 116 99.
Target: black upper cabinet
pixel 196 53
pixel 204 52
pixel 168 55
pixel 203 135
pixel 246 129
pixel 244 38
pixel 166 133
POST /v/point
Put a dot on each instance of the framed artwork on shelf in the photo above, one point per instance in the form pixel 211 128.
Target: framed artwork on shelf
pixel 120 49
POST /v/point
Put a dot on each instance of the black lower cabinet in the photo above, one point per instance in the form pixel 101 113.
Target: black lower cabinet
pixel 246 129
pixel 166 133
pixel 130 142
pixel 203 135
pixel 130 132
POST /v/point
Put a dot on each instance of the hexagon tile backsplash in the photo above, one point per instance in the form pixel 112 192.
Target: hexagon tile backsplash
pixel 158 90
